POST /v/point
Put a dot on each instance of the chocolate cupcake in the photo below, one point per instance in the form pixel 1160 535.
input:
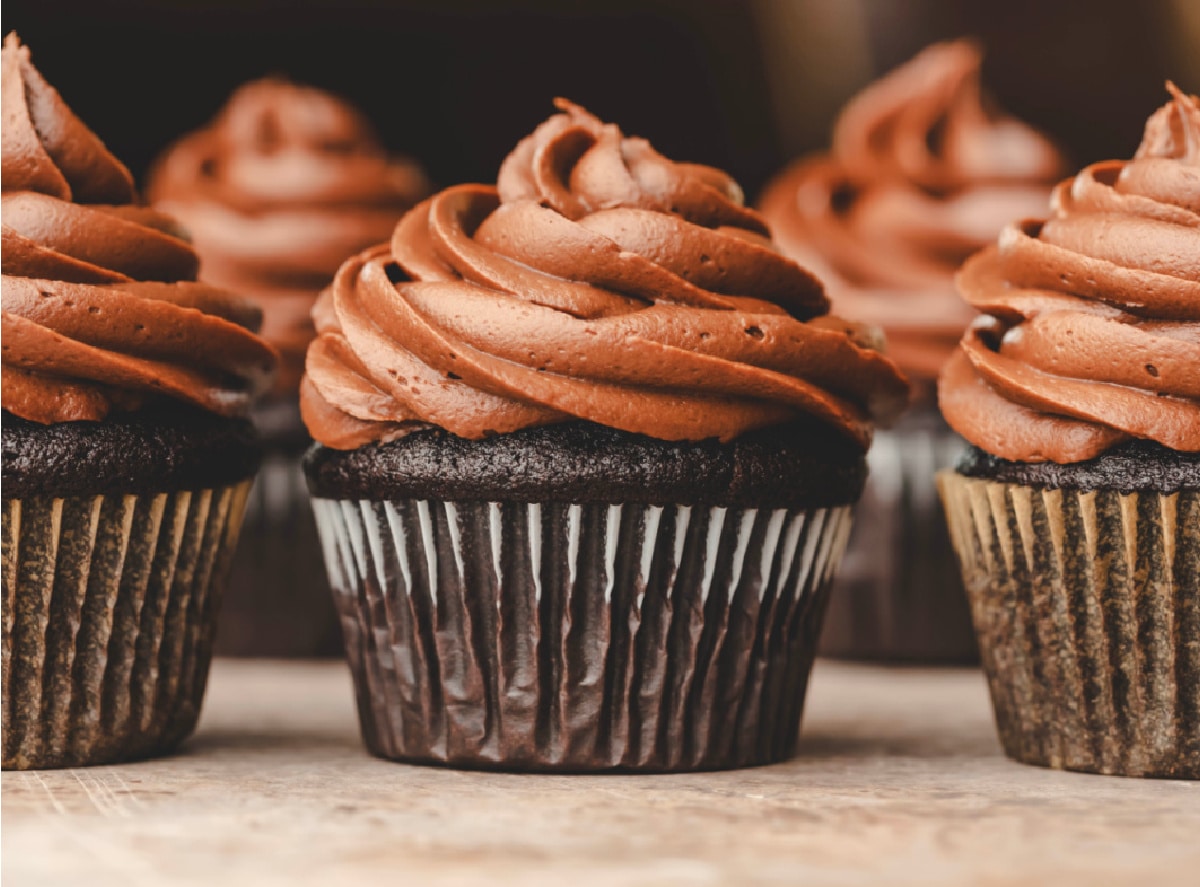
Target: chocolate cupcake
pixel 127 457
pixel 588 448
pixel 922 173
pixel 1076 515
pixel 277 191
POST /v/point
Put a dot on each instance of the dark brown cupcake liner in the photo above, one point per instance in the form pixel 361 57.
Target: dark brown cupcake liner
pixel 579 637
pixel 898 596
pixel 109 612
pixel 1087 608
pixel 278 603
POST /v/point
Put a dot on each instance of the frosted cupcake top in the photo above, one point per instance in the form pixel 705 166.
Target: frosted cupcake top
pixel 597 280
pixel 283 185
pixel 100 308
pixel 922 173
pixel 1091 326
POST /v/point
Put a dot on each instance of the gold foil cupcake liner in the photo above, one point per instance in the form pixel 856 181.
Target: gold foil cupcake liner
pixel 110 605
pixel 1087 609
pixel 552 636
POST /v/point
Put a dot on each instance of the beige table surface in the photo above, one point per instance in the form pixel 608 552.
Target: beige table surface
pixel 899 780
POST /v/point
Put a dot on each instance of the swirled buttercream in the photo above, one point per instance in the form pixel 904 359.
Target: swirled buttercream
pixel 100 308
pixel 599 281
pixel 1091 327
pixel 922 174
pixel 283 185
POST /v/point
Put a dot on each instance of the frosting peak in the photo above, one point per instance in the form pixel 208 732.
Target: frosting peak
pixel 1091 333
pixel 278 145
pixel 283 184
pixel 100 311
pixel 599 281
pixel 578 165
pixel 1173 131
pixel 274 114
pixel 930 123
pixel 923 172
pixel 47 149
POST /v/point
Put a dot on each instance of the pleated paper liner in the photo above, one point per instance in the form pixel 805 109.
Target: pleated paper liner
pixel 278 600
pixel 1087 608
pixel 898 596
pixel 580 637
pixel 109 612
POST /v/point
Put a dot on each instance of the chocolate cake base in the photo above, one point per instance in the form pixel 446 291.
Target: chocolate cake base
pixel 161 451
pixel 1135 466
pixel 579 599
pixel 799 464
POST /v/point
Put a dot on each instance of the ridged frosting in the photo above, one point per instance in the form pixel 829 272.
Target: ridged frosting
pixel 283 185
pixel 1091 326
pixel 100 308
pixel 598 281
pixel 922 173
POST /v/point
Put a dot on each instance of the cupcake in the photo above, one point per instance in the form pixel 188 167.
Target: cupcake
pixel 587 450
pixel 127 455
pixel 277 191
pixel 1076 512
pixel 922 173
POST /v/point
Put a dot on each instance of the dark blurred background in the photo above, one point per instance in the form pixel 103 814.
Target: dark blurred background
pixel 742 85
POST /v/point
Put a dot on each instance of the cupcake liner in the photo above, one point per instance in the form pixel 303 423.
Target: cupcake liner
pixel 552 636
pixel 278 603
pixel 898 596
pixel 109 610
pixel 1087 607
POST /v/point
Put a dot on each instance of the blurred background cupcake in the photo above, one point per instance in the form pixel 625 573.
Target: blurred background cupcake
pixel 283 185
pixel 923 172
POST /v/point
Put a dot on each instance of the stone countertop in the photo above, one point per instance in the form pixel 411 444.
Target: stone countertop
pixel 899 780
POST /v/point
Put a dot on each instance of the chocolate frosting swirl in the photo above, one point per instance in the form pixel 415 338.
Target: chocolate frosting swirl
pixel 598 281
pixel 100 311
pixel 922 174
pixel 283 185
pixel 1091 333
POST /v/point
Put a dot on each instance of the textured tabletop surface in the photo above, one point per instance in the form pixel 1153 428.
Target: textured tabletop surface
pixel 899 780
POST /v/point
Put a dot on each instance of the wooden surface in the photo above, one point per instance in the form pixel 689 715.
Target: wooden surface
pixel 899 780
